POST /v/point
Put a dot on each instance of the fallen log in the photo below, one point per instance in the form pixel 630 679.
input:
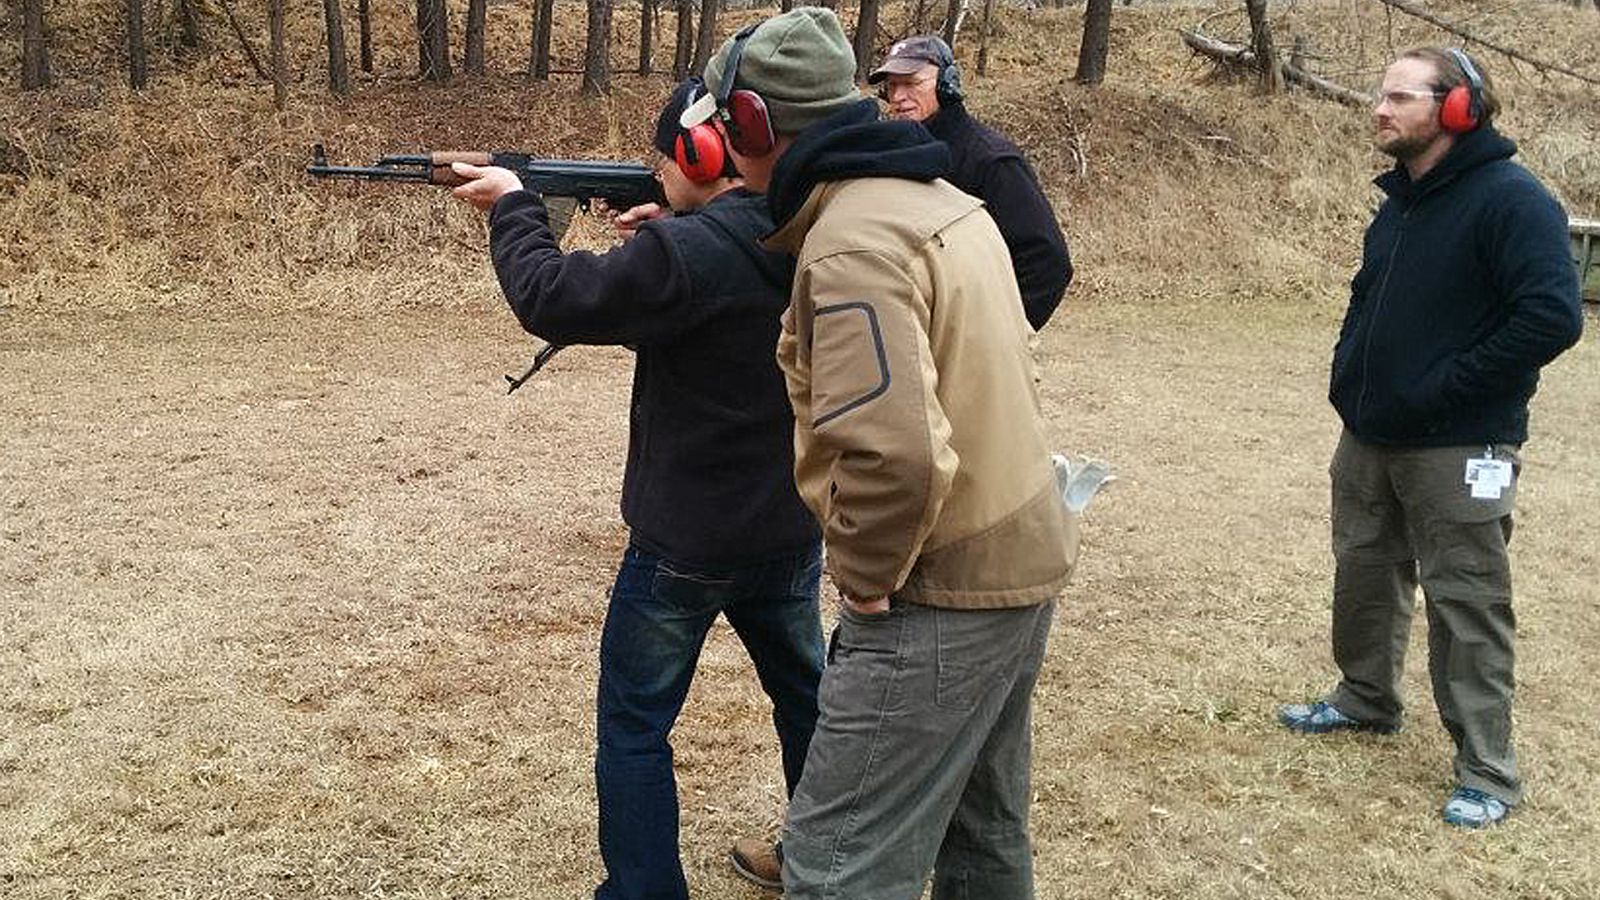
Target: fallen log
pixel 1236 54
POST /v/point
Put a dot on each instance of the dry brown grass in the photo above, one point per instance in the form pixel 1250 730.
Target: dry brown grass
pixel 294 603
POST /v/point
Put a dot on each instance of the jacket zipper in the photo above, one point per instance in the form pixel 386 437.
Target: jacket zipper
pixel 1383 288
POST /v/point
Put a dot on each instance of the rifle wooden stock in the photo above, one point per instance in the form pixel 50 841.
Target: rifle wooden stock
pixel 442 174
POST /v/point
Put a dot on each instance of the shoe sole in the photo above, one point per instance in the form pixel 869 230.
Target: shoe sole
pixel 748 874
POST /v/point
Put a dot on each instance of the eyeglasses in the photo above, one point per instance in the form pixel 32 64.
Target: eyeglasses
pixel 891 86
pixel 1403 96
pixel 894 81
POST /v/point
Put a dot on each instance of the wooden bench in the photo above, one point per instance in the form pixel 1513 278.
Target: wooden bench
pixel 1586 254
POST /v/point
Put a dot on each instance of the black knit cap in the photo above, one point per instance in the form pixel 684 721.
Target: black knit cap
pixel 667 127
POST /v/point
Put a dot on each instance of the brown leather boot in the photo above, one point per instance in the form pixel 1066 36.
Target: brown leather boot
pixel 759 861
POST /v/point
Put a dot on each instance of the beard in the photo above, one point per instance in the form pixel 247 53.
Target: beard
pixel 1405 146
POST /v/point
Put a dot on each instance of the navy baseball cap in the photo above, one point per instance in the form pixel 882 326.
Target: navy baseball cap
pixel 911 54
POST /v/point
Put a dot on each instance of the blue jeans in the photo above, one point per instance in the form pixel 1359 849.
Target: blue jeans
pixel 657 621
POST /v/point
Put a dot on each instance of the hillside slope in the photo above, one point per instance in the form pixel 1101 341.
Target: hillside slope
pixel 1170 180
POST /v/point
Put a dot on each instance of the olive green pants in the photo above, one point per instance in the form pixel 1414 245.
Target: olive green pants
pixel 1403 516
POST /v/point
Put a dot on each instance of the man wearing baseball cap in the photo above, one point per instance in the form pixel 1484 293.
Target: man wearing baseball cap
pixel 920 82
pixel 919 446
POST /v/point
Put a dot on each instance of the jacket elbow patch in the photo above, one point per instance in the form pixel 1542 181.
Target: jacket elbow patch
pixel 849 363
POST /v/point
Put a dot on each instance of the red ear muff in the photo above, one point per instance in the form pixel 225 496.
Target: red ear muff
pixel 1462 109
pixel 749 127
pixel 744 113
pixel 1457 114
pixel 698 153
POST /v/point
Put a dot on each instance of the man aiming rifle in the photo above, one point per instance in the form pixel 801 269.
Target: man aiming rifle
pixel 715 523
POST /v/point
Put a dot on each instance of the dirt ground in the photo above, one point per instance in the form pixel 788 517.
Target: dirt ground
pixel 296 603
pixel 304 606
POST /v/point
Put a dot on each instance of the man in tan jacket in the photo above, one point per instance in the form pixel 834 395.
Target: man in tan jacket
pixel 920 448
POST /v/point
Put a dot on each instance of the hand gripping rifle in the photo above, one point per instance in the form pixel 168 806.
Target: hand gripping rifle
pixel 577 182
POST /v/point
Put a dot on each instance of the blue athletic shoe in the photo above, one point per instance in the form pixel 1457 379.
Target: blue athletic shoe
pixel 1472 808
pixel 1322 717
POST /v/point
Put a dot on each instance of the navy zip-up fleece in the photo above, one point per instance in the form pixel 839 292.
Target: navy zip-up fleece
pixel 1466 289
pixel 710 474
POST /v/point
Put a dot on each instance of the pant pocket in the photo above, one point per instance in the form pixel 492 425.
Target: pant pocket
pixel 1470 561
pixel 968 646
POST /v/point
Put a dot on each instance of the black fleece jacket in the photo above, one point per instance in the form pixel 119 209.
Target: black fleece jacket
pixel 1466 289
pixel 988 166
pixel 710 478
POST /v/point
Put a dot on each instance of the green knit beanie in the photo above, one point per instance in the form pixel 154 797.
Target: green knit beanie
pixel 800 63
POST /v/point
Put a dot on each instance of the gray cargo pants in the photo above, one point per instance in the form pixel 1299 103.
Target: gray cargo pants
pixel 1404 515
pixel 920 761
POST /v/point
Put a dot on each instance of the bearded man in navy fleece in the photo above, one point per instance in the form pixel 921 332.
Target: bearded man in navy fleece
pixel 1466 289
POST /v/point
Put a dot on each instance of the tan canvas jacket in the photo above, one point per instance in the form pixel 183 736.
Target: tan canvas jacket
pixel 918 440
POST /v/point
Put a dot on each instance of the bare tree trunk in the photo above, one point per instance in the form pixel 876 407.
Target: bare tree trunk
pixel 433 40
pixel 441 38
pixel 952 17
pixel 364 25
pixel 539 65
pixel 647 10
pixel 919 17
pixel 138 68
pixel 422 39
pixel 683 53
pixel 866 33
pixel 1271 78
pixel 596 55
pixel 786 5
pixel 188 23
pixel 708 33
pixel 983 40
pixel 1096 43
pixel 472 58
pixel 338 69
pixel 280 74
pixel 35 46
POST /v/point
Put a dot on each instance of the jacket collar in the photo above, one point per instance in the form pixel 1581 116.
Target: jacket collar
pixel 792 234
pixel 950 120
pixel 852 143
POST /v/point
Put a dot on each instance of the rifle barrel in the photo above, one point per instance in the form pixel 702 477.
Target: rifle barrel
pixel 373 173
pixel 622 184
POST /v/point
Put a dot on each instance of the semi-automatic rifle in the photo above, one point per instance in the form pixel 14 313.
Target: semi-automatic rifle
pixel 620 184
pixel 564 183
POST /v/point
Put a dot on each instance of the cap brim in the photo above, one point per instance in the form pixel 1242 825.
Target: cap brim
pixel 699 111
pixel 898 65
